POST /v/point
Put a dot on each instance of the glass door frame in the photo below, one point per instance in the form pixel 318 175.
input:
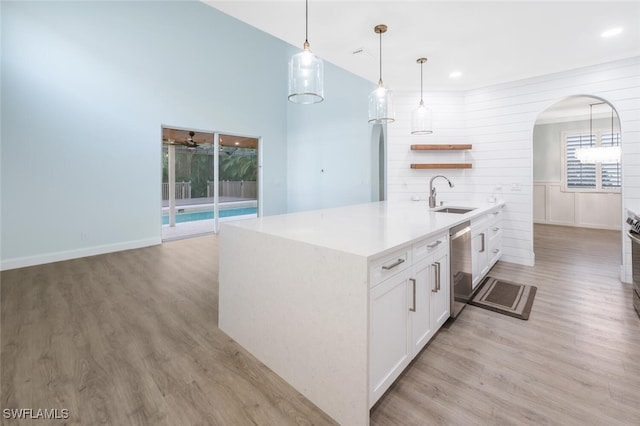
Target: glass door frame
pixel 216 175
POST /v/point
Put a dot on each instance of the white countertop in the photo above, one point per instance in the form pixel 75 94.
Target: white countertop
pixel 363 229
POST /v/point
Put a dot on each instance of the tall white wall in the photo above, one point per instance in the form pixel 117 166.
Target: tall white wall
pixel 404 183
pixel 499 121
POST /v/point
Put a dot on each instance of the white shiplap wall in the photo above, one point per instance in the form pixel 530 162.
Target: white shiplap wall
pixel 498 121
pixel 404 183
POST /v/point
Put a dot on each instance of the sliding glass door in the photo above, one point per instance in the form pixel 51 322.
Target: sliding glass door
pixel 207 178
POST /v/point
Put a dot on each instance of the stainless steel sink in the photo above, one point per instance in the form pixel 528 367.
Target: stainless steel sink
pixel 457 210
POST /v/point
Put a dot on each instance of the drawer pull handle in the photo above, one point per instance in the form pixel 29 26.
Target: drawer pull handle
pixel 483 247
pixel 393 265
pixel 436 244
pixel 496 251
pixel 413 281
pixel 496 213
pixel 496 229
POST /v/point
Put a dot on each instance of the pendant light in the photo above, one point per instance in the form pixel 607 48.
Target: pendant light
pixel 381 99
pixel 306 72
pixel 421 117
pixel 598 154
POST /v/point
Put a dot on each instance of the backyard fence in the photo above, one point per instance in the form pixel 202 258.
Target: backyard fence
pixel 240 189
pixel 183 190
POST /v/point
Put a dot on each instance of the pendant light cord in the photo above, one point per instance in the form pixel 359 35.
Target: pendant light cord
pixel 380 81
pixel 421 91
pixel 306 21
pixel 591 125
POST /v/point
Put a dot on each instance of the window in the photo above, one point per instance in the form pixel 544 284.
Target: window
pixel 598 177
pixel 611 173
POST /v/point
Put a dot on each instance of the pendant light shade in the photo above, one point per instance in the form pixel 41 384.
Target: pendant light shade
pixel 421 117
pixel 381 108
pixel 306 72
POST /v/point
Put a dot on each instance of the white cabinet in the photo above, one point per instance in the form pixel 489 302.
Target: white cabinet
pixel 479 257
pixel 406 310
pixel 441 294
pixel 422 282
pixel 495 242
pixel 389 350
pixel 486 244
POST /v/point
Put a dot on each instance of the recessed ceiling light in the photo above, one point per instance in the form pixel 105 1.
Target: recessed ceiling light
pixel 611 32
pixel 455 74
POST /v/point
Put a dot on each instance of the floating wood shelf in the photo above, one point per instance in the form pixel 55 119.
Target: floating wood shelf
pixel 432 147
pixel 442 166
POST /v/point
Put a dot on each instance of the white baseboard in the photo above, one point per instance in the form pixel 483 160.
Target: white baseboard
pixel 624 276
pixel 577 225
pixel 21 262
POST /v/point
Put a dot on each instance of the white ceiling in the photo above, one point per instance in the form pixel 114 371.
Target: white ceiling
pixel 489 42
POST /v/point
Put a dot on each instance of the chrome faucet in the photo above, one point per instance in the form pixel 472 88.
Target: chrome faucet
pixel 432 190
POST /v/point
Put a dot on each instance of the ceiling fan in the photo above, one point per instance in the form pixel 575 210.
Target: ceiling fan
pixel 228 150
pixel 189 142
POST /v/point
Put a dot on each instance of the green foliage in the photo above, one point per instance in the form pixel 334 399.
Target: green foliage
pixel 198 168
pixel 236 168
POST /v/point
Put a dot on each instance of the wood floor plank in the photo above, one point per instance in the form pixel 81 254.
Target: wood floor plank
pixel 131 338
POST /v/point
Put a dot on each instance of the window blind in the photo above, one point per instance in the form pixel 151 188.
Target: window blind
pixel 611 173
pixel 579 175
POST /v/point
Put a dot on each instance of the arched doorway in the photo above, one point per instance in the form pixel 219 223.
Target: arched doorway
pixel 576 181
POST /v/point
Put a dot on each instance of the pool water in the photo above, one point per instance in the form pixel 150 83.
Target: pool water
pixel 189 217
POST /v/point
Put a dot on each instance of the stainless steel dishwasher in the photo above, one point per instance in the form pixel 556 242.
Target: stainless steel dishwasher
pixel 460 259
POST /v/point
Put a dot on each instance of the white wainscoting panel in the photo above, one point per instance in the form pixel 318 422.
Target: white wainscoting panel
pixel 551 205
pixel 560 206
pixel 598 210
pixel 539 203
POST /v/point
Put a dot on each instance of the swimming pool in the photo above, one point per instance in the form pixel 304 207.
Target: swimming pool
pixel 208 214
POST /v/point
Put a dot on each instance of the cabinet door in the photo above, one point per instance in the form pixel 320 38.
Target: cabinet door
pixel 440 298
pixel 389 351
pixel 423 281
pixel 479 257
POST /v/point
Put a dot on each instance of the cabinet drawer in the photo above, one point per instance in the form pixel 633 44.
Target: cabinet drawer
pixel 495 216
pixel 494 231
pixel 429 246
pixel 495 248
pixel 390 265
pixel 487 220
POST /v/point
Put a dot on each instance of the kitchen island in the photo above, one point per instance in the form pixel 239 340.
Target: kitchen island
pixel 297 290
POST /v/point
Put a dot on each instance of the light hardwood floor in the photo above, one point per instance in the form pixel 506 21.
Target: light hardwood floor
pixel 131 338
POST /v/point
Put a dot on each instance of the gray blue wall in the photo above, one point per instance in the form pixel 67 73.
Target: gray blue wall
pixel 329 145
pixel 86 87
